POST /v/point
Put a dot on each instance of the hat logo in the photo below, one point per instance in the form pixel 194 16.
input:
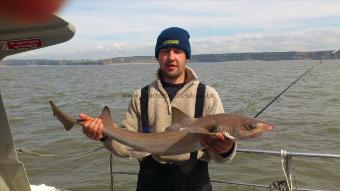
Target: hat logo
pixel 167 42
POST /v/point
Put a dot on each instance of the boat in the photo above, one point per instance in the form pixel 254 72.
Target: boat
pixel 17 38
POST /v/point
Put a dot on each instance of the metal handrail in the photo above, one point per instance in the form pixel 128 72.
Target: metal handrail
pixel 287 164
pixel 294 154
pixel 287 158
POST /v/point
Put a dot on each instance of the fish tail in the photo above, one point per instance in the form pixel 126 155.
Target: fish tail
pixel 64 118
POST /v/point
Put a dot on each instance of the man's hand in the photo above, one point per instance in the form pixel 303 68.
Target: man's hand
pixel 219 144
pixel 93 127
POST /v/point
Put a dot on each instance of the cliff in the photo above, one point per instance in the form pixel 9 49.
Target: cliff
pixel 264 56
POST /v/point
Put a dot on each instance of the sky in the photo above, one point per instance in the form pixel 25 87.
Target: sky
pixel 112 28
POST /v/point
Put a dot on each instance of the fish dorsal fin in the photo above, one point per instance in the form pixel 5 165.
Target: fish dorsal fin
pixel 106 117
pixel 179 119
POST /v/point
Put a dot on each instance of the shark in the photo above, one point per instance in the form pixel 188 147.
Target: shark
pixel 183 136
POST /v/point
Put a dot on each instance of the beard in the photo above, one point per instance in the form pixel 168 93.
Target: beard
pixel 172 70
pixel 171 74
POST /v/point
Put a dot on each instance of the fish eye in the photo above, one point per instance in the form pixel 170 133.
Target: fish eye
pixel 250 126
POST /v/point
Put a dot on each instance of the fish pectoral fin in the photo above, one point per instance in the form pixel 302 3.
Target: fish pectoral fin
pixel 227 135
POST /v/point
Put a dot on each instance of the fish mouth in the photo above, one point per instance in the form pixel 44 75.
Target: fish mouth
pixel 264 126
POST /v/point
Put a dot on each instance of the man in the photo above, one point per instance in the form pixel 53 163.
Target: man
pixel 150 111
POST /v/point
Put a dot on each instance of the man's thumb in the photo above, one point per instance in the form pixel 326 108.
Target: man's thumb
pixel 84 116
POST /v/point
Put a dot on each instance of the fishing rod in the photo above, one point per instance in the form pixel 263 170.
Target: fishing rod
pixel 277 97
pixel 283 91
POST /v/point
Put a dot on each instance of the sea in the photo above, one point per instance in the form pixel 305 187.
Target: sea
pixel 306 118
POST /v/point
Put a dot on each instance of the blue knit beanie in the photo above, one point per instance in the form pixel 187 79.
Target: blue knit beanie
pixel 173 37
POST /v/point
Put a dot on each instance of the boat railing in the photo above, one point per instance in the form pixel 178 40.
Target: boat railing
pixel 286 159
pixel 276 185
pixel 282 185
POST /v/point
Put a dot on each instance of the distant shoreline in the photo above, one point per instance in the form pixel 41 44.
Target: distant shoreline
pixel 258 56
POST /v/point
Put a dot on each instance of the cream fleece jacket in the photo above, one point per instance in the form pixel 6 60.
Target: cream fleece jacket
pixel 159 113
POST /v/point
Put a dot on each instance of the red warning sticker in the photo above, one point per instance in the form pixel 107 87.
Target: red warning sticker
pixel 20 44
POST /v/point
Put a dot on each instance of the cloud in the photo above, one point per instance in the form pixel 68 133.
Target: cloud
pixel 128 28
pixel 139 19
pixel 302 40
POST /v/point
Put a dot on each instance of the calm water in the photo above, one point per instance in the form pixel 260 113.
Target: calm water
pixel 307 119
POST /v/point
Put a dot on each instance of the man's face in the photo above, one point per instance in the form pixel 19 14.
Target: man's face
pixel 172 63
